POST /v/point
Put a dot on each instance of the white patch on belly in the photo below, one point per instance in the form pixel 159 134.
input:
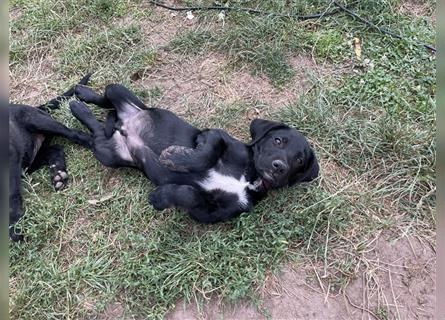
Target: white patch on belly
pixel 128 111
pixel 218 181
pixel 121 146
pixel 127 137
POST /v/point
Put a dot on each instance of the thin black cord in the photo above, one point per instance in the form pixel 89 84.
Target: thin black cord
pixel 339 6
pixel 243 9
pixel 382 30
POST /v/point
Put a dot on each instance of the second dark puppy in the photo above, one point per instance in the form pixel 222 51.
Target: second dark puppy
pixel 208 173
pixel 30 132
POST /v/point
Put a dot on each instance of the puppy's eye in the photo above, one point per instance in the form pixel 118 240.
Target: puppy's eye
pixel 299 161
pixel 278 141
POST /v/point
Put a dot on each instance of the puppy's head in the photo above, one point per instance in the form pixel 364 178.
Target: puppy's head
pixel 282 155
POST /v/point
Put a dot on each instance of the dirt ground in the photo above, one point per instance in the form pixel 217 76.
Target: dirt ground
pixel 400 284
pixel 191 80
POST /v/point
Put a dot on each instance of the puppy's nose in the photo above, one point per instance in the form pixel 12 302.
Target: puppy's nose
pixel 279 166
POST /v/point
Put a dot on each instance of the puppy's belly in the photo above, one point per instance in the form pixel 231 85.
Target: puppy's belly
pixel 129 137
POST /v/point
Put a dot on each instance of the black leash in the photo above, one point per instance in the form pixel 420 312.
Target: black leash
pixel 340 8
pixel 248 10
pixel 381 30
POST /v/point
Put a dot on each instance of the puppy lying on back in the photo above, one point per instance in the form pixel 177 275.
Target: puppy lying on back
pixel 208 173
pixel 30 132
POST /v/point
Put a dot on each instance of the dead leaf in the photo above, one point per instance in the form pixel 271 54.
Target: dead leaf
pixel 104 198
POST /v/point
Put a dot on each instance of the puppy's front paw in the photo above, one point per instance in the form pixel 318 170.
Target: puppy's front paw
pixel 158 200
pixel 59 178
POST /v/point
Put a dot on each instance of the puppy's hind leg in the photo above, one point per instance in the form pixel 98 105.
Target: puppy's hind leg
pixel 110 123
pixel 15 198
pixel 105 148
pixel 87 95
pixel 116 96
pixel 41 122
pixel 55 103
pixel 123 100
pixel 86 117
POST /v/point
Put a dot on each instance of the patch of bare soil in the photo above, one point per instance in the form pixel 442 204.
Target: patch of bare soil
pixel 112 311
pixel 193 82
pixel 399 280
pixel 15 13
pixel 396 281
pixel 416 8
pixel 163 25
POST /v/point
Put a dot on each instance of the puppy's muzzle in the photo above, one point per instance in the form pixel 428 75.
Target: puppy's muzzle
pixel 279 167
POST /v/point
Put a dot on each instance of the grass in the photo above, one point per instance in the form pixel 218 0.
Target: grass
pixel 99 242
pixel 95 49
pixel 42 23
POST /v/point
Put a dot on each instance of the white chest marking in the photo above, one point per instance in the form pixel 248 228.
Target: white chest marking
pixel 218 181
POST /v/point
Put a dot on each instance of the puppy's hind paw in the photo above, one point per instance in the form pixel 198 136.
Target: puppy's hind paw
pixel 59 179
pixel 84 93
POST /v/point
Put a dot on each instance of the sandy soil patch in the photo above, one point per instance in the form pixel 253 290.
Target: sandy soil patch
pixel 112 311
pixel 398 282
pixel 417 8
pixel 193 81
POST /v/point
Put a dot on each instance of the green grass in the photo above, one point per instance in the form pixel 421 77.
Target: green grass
pixel 107 52
pixel 100 242
pixel 43 23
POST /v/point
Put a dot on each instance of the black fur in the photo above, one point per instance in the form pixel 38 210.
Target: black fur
pixel 30 132
pixel 178 157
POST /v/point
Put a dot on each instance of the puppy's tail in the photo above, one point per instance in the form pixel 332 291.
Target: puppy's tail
pixel 55 103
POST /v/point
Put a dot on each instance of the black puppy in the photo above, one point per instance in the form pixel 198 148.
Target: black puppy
pixel 210 174
pixel 30 132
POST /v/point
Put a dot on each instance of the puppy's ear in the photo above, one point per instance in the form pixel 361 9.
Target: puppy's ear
pixel 259 128
pixel 310 171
